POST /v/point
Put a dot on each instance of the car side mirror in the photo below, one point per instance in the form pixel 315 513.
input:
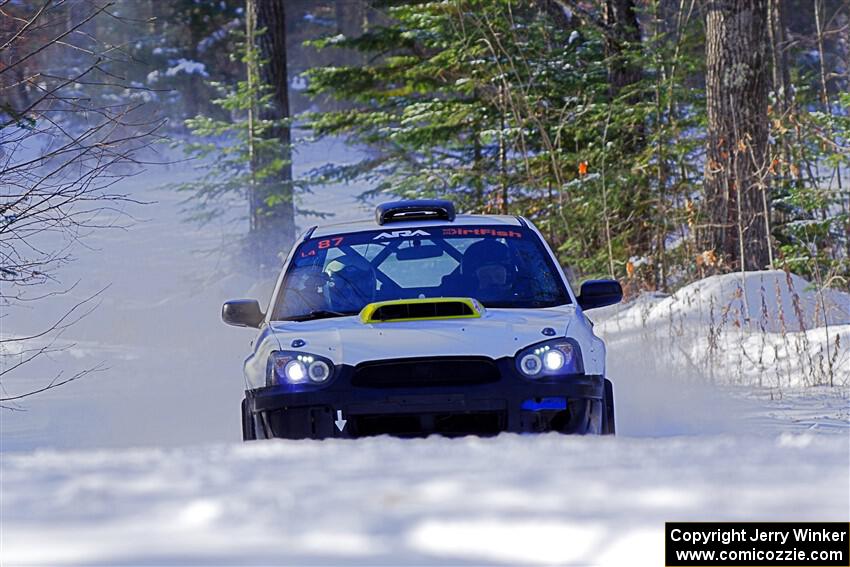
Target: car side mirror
pixel 242 313
pixel 599 293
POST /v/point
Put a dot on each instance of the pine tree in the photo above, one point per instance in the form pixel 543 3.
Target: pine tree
pixel 240 158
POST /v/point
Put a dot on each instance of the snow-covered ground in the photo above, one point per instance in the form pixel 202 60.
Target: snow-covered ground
pixel 511 500
pixel 141 464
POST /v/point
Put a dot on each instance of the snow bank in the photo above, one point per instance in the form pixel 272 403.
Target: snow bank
pixel 772 301
pixel 766 328
pixel 512 500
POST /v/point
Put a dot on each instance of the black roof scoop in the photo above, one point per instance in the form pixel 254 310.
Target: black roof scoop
pixel 418 209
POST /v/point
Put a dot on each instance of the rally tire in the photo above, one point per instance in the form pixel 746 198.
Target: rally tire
pixel 249 432
pixel 608 421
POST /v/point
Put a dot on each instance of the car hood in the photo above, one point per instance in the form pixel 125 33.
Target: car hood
pixel 498 333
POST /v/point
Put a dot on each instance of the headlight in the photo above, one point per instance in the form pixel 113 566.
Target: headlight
pixel 298 368
pixel 554 359
pixel 530 364
pixel 558 357
pixel 318 372
pixel 294 371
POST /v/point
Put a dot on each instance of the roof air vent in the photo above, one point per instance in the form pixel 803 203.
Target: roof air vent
pixel 428 209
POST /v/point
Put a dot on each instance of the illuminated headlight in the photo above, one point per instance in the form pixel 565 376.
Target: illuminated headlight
pixel 298 368
pixel 559 357
pixel 554 359
pixel 295 371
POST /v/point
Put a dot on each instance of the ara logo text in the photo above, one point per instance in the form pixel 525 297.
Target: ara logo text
pixel 401 234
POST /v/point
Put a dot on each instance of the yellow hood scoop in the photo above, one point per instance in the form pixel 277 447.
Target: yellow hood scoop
pixel 422 310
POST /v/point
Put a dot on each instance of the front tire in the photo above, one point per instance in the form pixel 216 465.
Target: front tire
pixel 249 432
pixel 608 422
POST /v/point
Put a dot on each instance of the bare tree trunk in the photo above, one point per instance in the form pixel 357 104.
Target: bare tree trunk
pixel 350 17
pixel 253 200
pixel 780 67
pixel 784 107
pixel 827 103
pixel 556 10
pixel 622 43
pixel 274 206
pixel 623 30
pixel 736 97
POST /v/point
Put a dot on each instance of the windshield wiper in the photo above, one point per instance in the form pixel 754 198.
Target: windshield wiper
pixel 320 314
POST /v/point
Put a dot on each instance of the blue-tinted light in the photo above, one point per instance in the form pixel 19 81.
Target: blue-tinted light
pixel 538 404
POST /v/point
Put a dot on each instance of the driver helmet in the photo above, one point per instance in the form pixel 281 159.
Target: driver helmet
pixel 351 283
pixel 488 263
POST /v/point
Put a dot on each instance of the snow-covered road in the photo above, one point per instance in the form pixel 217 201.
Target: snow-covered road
pixel 696 453
pixel 512 499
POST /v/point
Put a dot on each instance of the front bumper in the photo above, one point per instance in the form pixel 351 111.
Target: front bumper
pixel 345 410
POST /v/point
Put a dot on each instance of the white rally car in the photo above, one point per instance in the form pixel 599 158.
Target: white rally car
pixel 422 321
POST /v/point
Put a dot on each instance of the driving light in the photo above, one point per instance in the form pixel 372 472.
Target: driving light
pixel 294 371
pixel 553 358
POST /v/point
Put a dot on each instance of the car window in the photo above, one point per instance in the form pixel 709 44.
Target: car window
pixel 498 266
pixel 408 270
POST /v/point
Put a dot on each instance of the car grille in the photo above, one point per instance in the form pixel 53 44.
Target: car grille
pixel 425 372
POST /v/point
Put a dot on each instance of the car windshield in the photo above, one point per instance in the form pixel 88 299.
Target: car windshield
pixel 499 266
